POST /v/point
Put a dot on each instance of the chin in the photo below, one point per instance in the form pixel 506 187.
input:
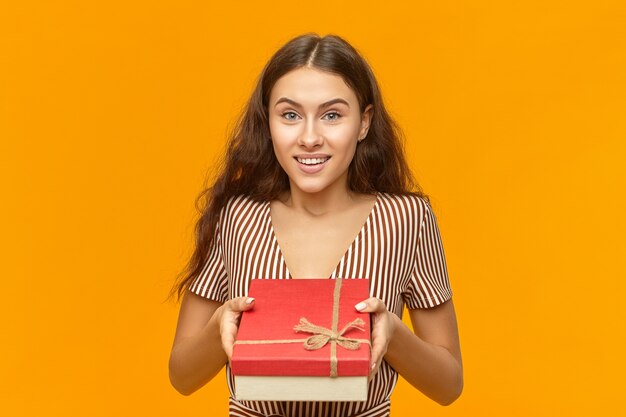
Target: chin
pixel 310 188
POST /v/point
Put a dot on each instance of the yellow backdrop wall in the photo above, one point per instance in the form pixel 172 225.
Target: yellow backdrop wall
pixel 111 113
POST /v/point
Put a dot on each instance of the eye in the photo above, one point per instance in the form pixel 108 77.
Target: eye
pixel 332 116
pixel 289 115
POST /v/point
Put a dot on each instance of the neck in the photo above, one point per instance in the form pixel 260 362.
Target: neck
pixel 327 201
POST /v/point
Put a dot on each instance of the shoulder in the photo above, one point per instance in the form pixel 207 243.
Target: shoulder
pixel 404 213
pixel 409 206
pixel 240 208
pixel 241 201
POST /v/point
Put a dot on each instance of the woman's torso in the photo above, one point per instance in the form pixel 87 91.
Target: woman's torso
pixel 384 252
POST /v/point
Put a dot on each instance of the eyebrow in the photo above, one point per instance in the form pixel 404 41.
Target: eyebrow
pixel 321 106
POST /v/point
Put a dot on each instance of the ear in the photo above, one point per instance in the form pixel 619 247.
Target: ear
pixel 366 118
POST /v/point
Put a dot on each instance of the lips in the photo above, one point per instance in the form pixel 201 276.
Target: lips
pixel 311 164
pixel 312 161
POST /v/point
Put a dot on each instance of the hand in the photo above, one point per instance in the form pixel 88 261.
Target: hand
pixel 383 328
pixel 229 317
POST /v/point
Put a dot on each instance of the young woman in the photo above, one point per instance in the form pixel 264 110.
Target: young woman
pixel 315 184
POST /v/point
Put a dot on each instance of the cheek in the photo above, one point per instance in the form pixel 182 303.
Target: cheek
pixel 344 131
pixel 273 126
pixel 283 139
pixel 281 131
pixel 342 137
pixel 281 146
pixel 281 143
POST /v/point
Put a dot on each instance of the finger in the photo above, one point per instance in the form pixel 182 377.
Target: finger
pixel 229 333
pixel 375 360
pixel 241 303
pixel 228 341
pixel 371 305
pixel 374 370
pixel 378 350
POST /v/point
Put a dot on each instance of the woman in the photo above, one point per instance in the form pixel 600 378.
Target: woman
pixel 315 161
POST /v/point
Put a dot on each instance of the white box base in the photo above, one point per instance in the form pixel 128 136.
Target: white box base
pixel 300 388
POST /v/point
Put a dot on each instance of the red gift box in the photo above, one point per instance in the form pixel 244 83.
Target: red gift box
pixel 303 340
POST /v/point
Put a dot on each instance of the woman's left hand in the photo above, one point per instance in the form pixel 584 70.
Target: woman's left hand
pixel 383 327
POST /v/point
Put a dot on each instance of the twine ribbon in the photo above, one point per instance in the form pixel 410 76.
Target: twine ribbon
pixel 322 335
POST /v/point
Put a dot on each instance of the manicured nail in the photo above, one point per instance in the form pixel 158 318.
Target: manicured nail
pixel 249 300
pixel 360 306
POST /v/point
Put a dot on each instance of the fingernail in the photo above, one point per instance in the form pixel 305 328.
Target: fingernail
pixel 360 306
pixel 249 300
pixel 374 365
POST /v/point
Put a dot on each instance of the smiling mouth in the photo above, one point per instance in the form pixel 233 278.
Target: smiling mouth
pixel 312 161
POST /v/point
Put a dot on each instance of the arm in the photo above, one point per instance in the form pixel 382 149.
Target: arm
pixel 205 334
pixel 429 358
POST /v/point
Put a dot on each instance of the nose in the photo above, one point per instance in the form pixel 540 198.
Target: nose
pixel 310 138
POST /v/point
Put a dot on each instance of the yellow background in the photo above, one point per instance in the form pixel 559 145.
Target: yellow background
pixel 111 114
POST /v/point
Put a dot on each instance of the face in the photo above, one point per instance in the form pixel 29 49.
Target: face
pixel 315 123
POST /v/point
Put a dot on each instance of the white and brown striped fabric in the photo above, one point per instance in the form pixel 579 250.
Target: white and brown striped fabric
pixel 398 249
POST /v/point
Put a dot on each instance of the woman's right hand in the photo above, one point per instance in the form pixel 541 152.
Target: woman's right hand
pixel 229 318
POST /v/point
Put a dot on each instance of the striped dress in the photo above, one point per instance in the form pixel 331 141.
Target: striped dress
pixel 398 249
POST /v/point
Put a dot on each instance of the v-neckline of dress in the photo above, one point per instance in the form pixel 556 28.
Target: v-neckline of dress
pixel 357 239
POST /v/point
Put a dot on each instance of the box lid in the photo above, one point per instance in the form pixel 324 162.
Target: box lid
pixel 267 343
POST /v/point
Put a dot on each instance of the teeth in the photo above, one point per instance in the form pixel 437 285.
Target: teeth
pixel 312 161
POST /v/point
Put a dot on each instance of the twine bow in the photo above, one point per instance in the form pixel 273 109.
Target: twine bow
pixel 322 335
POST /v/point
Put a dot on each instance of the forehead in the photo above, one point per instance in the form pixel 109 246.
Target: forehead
pixel 312 86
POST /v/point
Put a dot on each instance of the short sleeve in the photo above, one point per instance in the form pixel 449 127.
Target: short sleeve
pixel 212 282
pixel 429 285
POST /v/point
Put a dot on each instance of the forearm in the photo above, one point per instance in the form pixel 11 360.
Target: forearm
pixel 430 368
pixel 194 361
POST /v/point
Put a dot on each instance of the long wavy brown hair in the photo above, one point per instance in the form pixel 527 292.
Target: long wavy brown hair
pixel 250 166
